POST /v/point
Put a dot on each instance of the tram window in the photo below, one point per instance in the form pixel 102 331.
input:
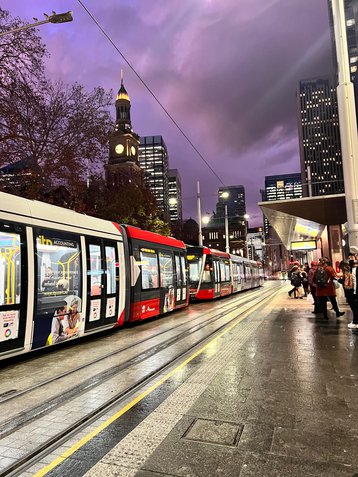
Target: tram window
pixel 58 269
pixel 208 269
pixel 179 274
pixel 195 264
pixel 216 271
pixel 149 264
pixel 96 270
pixel 166 269
pixel 222 271
pixel 111 266
pixel 182 260
pixel 227 270
pixel 10 268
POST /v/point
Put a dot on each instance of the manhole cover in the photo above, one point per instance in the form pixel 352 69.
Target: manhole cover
pixel 214 432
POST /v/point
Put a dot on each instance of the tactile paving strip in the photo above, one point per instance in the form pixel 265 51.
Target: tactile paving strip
pixel 129 455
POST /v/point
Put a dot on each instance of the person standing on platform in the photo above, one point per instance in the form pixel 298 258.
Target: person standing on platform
pixel 349 281
pixel 304 275
pixel 296 281
pixel 325 288
pixel 312 286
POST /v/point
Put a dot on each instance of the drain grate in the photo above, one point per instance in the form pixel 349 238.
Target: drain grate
pixel 214 432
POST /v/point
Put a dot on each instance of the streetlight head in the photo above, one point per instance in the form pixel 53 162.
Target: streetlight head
pixel 225 195
pixel 205 219
pixel 60 17
pixel 246 216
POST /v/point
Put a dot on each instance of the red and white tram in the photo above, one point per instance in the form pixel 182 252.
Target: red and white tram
pixel 64 274
pixel 213 273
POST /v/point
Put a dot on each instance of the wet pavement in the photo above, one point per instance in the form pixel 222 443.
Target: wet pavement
pixel 276 395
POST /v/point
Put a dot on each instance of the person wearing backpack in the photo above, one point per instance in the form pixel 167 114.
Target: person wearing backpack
pixel 296 281
pixel 325 288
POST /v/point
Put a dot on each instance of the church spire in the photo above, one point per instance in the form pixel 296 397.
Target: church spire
pixel 123 106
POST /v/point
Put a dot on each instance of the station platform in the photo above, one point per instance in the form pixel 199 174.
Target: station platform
pixel 274 394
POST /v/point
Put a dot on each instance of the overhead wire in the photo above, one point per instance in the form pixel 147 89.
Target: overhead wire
pixel 151 92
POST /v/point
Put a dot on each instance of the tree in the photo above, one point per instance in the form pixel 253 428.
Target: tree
pixel 130 203
pixel 21 54
pixel 60 130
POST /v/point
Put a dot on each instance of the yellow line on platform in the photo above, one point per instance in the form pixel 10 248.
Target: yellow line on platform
pixel 120 413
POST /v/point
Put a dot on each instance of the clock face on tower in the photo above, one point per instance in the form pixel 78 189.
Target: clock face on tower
pixel 133 150
pixel 119 148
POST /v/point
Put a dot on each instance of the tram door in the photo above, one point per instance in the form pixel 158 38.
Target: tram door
pixel 181 281
pixel 217 276
pixel 13 286
pixel 102 282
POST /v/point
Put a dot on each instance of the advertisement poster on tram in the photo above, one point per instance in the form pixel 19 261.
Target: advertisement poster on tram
pixel 58 303
pixel 95 311
pixel 9 323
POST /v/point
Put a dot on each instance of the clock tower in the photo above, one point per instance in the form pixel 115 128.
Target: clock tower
pixel 123 142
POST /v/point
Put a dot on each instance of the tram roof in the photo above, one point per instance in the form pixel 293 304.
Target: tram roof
pixel 34 211
pixel 135 232
pixel 302 219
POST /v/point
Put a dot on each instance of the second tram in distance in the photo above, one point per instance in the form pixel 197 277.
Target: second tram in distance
pixel 213 273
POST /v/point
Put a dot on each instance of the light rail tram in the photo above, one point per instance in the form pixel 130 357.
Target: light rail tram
pixel 64 275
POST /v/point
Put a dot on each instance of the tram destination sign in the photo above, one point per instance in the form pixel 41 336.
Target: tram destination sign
pixel 304 245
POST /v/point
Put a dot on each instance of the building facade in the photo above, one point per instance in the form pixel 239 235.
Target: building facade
pixel 255 244
pixel 351 17
pixel 153 160
pixel 234 198
pixel 175 196
pixel 281 187
pixel 319 137
pixel 214 233
pixel 278 187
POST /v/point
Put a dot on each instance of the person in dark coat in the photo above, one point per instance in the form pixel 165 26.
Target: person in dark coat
pixel 312 286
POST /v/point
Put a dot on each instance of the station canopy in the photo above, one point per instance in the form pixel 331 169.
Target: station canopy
pixel 304 219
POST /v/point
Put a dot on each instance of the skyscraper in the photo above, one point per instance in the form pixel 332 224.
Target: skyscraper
pixel 351 16
pixel 153 160
pixel 281 187
pixel 234 198
pixel 175 197
pixel 319 138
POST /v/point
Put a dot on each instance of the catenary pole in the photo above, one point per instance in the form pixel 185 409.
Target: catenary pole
pixel 347 124
pixel 199 214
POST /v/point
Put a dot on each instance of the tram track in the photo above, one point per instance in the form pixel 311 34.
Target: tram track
pixel 13 394
pixel 55 441
pixel 35 412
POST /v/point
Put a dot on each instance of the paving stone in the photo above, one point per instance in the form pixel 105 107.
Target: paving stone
pixel 256 465
pixel 318 447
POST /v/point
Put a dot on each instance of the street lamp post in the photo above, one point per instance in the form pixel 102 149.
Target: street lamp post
pixel 347 124
pixel 54 18
pixel 199 214
pixel 227 243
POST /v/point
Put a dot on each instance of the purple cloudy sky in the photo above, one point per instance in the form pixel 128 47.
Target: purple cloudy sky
pixel 226 70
